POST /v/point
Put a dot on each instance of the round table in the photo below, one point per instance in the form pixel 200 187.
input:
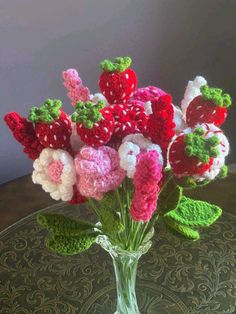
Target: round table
pixel 175 276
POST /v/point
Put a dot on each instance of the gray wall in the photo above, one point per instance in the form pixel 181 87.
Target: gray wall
pixel 170 40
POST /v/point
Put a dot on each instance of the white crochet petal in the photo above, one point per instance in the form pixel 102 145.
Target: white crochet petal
pixel 148 107
pixel 180 124
pixel 55 195
pixel 192 90
pixel 46 156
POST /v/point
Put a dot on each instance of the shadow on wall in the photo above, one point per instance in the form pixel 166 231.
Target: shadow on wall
pixel 170 42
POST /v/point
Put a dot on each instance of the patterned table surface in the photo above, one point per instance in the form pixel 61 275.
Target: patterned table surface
pixel 176 276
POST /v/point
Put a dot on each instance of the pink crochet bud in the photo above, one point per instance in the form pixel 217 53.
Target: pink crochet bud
pixel 147 176
pixel 76 90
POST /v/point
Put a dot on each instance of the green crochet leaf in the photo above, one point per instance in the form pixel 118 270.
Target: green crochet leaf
pixel 47 113
pixel 120 64
pixel 185 231
pixel 88 113
pixel 109 218
pixel 61 225
pixel 194 213
pixel 65 245
pixel 169 197
pixel 223 172
pixel 202 148
pixel 216 95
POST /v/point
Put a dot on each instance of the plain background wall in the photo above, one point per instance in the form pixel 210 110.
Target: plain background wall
pixel 171 41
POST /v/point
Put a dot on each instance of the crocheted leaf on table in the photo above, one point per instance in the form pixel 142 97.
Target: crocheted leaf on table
pixel 70 245
pixel 61 225
pixel 185 231
pixel 194 213
pixel 169 197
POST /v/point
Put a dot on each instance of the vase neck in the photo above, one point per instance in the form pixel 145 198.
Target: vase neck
pixel 125 267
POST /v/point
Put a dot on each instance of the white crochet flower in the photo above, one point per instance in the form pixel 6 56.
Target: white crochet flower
pixel 192 91
pixel 55 171
pixel 132 145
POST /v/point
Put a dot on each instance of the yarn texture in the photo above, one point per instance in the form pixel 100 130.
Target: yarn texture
pixel 146 184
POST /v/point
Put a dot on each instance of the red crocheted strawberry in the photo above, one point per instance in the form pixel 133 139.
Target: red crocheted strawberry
pixel 129 119
pixel 94 123
pixel 52 125
pixel 118 81
pixel 210 107
pixel 160 124
pixel 192 154
pixel 23 131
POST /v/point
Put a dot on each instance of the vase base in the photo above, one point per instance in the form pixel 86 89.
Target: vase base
pixel 152 299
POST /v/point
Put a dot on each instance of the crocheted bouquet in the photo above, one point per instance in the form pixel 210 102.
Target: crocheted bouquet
pixel 128 153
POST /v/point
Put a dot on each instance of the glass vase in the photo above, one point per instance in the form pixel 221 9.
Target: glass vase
pixel 125 267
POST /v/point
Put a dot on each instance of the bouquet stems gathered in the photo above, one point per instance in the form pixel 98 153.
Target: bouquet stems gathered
pixel 129 154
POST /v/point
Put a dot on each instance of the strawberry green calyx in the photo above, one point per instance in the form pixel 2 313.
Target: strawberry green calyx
pixel 200 147
pixel 88 113
pixel 216 95
pixel 120 64
pixel 47 113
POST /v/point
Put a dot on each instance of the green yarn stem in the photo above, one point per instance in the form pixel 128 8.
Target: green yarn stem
pixel 120 64
pixel 200 147
pixel 88 113
pixel 216 95
pixel 47 113
pixel 190 182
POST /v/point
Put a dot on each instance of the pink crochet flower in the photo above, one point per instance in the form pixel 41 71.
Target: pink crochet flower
pixel 99 171
pixel 76 90
pixel 148 93
pixel 146 182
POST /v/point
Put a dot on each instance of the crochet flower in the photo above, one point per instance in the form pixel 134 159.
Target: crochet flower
pixel 147 176
pixel 76 90
pixel 131 147
pixel 160 124
pixel 99 171
pixel 55 171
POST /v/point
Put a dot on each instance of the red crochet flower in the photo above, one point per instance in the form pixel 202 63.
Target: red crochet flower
pixel 160 125
pixel 24 133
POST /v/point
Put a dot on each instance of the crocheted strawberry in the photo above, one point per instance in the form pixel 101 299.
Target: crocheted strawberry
pixel 210 107
pixel 129 119
pixel 23 131
pixel 94 123
pixel 52 125
pixel 193 154
pixel 118 81
pixel 160 124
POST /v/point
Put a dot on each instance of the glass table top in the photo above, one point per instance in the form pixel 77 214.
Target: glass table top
pixel 175 276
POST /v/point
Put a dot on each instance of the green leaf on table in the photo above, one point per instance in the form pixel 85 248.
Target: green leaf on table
pixel 61 225
pixel 169 197
pixel 70 245
pixel 185 231
pixel 194 213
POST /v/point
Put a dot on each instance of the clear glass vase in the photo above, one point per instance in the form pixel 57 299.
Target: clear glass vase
pixel 125 267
